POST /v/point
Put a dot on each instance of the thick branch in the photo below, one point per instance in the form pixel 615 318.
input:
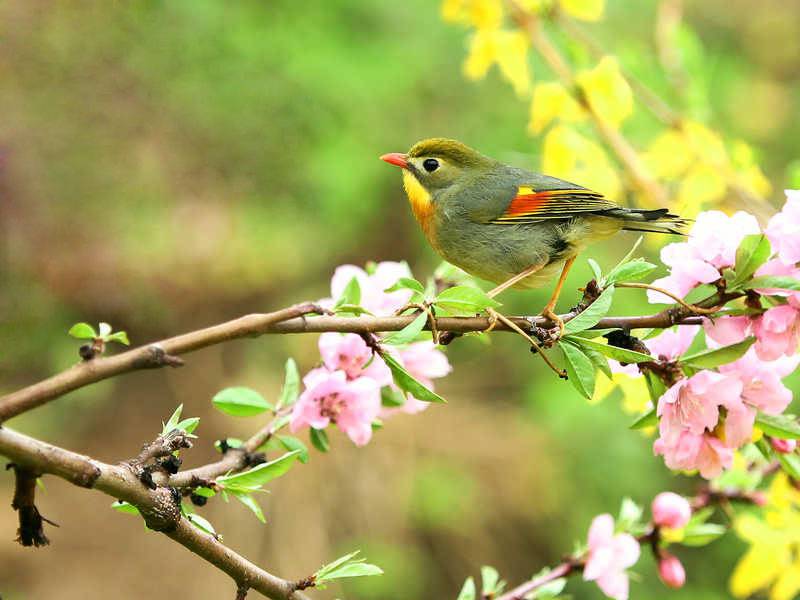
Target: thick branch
pixel 158 507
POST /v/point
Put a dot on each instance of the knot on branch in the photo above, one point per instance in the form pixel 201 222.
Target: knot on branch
pixel 305 583
pixel 155 356
pixel 622 339
pixel 161 452
pixel 31 522
pixel 163 513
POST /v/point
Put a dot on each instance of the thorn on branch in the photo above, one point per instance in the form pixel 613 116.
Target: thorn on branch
pixel 31 522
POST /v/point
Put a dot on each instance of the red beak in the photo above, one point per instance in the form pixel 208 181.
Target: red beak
pixel 396 158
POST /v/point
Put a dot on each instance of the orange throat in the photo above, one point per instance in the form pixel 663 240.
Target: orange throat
pixel 421 203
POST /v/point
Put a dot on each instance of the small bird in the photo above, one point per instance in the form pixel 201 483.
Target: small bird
pixel 506 225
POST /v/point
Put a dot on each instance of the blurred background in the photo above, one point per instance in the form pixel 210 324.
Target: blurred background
pixel 168 165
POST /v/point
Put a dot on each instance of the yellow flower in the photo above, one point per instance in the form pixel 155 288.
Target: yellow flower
pixel 482 14
pixel 509 49
pixel 773 559
pixel 574 157
pixel 607 91
pixel 551 100
pixel 587 10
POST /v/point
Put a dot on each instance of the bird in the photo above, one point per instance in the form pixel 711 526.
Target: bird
pixel 507 225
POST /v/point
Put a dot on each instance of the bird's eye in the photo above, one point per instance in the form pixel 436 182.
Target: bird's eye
pixel 430 164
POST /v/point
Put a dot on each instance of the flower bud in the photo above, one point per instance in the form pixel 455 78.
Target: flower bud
pixel 671 571
pixel 783 446
pixel 671 510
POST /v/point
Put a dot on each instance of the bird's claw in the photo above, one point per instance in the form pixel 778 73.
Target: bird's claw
pixel 556 320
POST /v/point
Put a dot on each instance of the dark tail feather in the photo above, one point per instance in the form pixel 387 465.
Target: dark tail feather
pixel 654 221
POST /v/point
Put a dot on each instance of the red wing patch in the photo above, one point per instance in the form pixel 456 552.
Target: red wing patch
pixel 529 205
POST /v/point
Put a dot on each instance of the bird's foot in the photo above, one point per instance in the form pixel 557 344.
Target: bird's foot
pixel 548 313
pixel 494 318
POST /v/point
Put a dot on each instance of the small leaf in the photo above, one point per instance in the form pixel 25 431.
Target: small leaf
pixel 291 443
pixel 408 333
pixel 780 426
pixel 327 568
pixel 351 294
pixel 596 270
pixel 406 283
pixel 240 402
pixel 204 492
pixel 201 523
pixel 172 422
pixel 291 385
pixel 710 359
pixel 125 507
pixel 579 368
pixel 253 479
pixel 468 591
pixel 599 360
pixel 655 386
pixel 629 514
pixel 404 380
pixel 250 502
pixel 622 355
pixel 104 330
pixel 772 282
pixel 121 337
pixel 82 331
pixel 753 251
pixel 319 439
pixel 490 582
pixel 465 299
pixel 391 397
pixel 346 566
pixel 188 425
pixel 702 534
pixel 791 464
pixel 630 271
pixel 593 313
pixel 649 419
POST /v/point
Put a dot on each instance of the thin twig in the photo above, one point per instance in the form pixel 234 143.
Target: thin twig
pixel 563 570
pixel 690 307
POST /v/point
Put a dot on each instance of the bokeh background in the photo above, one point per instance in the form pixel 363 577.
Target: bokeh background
pixel 169 165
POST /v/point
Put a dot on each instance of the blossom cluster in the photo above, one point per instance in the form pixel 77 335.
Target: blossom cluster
pixel 349 386
pixel 703 418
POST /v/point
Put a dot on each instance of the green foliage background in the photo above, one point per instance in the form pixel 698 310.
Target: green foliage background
pixel 168 165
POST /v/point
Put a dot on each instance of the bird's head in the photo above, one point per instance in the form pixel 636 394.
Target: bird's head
pixel 439 163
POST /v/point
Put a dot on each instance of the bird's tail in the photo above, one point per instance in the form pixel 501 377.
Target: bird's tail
pixel 655 221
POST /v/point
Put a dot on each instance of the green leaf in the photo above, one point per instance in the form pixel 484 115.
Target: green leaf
pixel 596 270
pixel 291 444
pixel 593 313
pixel 702 534
pixel 629 514
pixel 599 361
pixel 630 271
pixel 232 443
pixel 103 330
pixel 291 385
pixel 201 523
pixel 655 386
pixel 82 331
pixel 240 402
pixel 753 251
pixel 649 419
pixel 491 585
pixel 406 382
pixel 172 422
pixel 346 566
pixel 551 589
pixel 204 492
pixel 121 337
pixel 407 283
pixel 253 479
pixel 791 464
pixel 780 426
pixel 188 425
pixel 331 566
pixel 710 359
pixel 622 355
pixel 630 253
pixel 772 282
pixel 465 299
pixel 579 369
pixel 319 439
pixel 250 502
pixel 124 507
pixel 391 397
pixel 351 294
pixel 468 591
pixel 408 333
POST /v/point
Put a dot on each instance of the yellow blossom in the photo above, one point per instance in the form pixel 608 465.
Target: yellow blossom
pixel 509 49
pixel 587 10
pixel 607 91
pixel 574 157
pixel 551 101
pixel 482 14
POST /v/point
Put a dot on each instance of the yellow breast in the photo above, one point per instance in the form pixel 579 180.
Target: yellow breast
pixel 420 201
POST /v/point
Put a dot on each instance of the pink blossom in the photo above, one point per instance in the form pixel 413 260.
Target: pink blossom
pixel 671 510
pixel 350 353
pixel 330 397
pixel 693 404
pixel 777 332
pixel 761 381
pixel 425 363
pixel 609 556
pixel 783 446
pixel 728 330
pixel 672 343
pixel 688 452
pixel 671 571
pixel 783 229
pixel 687 271
pixel 374 296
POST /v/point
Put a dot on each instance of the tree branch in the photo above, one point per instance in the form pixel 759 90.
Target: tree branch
pixel 159 508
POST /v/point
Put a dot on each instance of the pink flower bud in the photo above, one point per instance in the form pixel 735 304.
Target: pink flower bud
pixel 783 446
pixel 759 498
pixel 671 571
pixel 671 510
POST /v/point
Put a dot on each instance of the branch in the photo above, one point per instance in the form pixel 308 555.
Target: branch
pixel 563 570
pixel 159 508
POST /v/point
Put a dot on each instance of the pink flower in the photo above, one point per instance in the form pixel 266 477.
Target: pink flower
pixel 671 571
pixel 671 343
pixel 350 353
pixel 425 363
pixel 330 397
pixel 783 446
pixel 783 229
pixel 728 330
pixel 671 510
pixel 761 381
pixel 777 332
pixel 608 557
pixel 374 296
pixel 688 452
pixel 711 246
pixel 693 404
